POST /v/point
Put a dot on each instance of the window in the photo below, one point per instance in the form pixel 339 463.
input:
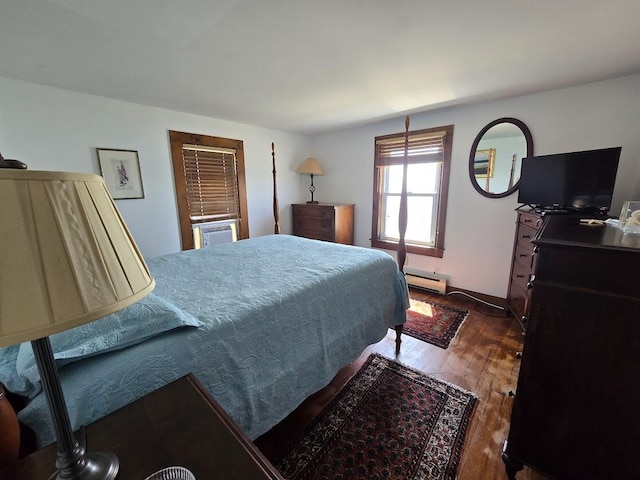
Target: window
pixel 210 182
pixel 429 157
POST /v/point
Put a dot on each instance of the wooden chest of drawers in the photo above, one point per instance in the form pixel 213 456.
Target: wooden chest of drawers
pixel 522 265
pixel 574 414
pixel 324 221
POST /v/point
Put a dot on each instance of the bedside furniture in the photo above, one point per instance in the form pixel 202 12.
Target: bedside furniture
pixel 522 265
pixel 9 431
pixel 574 414
pixel 178 424
pixel 332 222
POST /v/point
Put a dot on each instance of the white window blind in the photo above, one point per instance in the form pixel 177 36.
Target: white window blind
pixel 421 148
pixel 211 174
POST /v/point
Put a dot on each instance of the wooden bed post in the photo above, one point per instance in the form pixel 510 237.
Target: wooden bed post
pixel 276 209
pixel 402 217
pixel 401 254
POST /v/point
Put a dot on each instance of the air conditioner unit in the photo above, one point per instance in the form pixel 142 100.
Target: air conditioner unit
pixel 214 233
pixel 432 282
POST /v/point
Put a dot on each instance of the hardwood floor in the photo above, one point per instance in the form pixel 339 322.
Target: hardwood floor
pixel 481 359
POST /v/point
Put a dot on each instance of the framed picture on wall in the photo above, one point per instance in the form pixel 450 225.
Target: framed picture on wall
pixel 483 164
pixel 121 172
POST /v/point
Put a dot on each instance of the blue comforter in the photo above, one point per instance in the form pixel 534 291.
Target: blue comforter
pixel 278 315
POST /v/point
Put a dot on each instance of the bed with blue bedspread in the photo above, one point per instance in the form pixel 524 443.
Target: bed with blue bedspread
pixel 263 323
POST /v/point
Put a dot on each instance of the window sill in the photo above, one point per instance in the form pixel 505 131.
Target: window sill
pixel 414 249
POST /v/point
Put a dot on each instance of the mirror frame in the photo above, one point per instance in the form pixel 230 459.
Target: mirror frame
pixel 527 135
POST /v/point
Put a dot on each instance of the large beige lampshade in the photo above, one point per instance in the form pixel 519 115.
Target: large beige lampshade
pixel 66 256
pixel 311 166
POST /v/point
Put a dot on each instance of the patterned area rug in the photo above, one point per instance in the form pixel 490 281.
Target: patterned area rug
pixel 388 422
pixel 433 323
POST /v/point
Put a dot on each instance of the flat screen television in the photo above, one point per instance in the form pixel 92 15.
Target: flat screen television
pixel 581 181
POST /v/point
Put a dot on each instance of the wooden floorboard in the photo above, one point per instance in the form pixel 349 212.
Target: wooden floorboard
pixel 481 359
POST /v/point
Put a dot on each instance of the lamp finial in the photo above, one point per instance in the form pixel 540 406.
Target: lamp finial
pixel 9 163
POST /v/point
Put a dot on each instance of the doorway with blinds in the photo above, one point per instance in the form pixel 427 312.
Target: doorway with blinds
pixel 210 184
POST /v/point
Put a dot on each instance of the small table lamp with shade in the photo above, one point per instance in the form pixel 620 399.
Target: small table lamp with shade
pixel 311 166
pixel 66 259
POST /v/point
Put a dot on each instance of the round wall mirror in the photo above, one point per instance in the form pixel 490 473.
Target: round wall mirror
pixel 496 156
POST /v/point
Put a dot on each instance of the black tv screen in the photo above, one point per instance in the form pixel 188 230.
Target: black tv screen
pixel 575 181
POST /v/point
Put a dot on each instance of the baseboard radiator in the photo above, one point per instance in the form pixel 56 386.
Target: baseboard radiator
pixel 433 282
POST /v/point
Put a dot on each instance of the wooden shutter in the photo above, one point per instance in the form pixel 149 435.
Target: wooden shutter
pixel 211 176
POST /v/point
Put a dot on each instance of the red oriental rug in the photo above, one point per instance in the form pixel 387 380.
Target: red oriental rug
pixel 388 422
pixel 433 323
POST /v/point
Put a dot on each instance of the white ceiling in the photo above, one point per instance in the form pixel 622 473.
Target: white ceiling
pixel 313 66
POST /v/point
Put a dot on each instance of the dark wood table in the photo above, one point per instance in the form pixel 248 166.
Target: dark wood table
pixel 178 424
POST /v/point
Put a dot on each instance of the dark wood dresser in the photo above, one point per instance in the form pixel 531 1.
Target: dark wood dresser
pixel 575 413
pixel 522 265
pixel 332 222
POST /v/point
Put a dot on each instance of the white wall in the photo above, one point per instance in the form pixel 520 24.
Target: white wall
pixel 53 129
pixel 479 231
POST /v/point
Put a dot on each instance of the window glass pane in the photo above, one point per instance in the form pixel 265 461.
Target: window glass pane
pixel 421 219
pixel 421 178
pixel 390 208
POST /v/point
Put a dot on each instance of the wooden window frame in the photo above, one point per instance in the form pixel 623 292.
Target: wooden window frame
pixel 177 140
pixel 443 192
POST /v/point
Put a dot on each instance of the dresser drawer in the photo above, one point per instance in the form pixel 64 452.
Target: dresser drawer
pixel 525 234
pixel 521 274
pixel 315 235
pixel 314 211
pixel 518 302
pixel 312 228
pixel 315 224
pixel 524 253
pixel 530 220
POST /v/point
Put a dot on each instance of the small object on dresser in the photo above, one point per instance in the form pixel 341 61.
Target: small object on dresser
pixel 311 166
pixel 630 217
pixel 591 221
pixel 10 163
pixel 172 473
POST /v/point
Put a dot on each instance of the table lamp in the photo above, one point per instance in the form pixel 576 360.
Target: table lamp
pixel 311 166
pixel 66 259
